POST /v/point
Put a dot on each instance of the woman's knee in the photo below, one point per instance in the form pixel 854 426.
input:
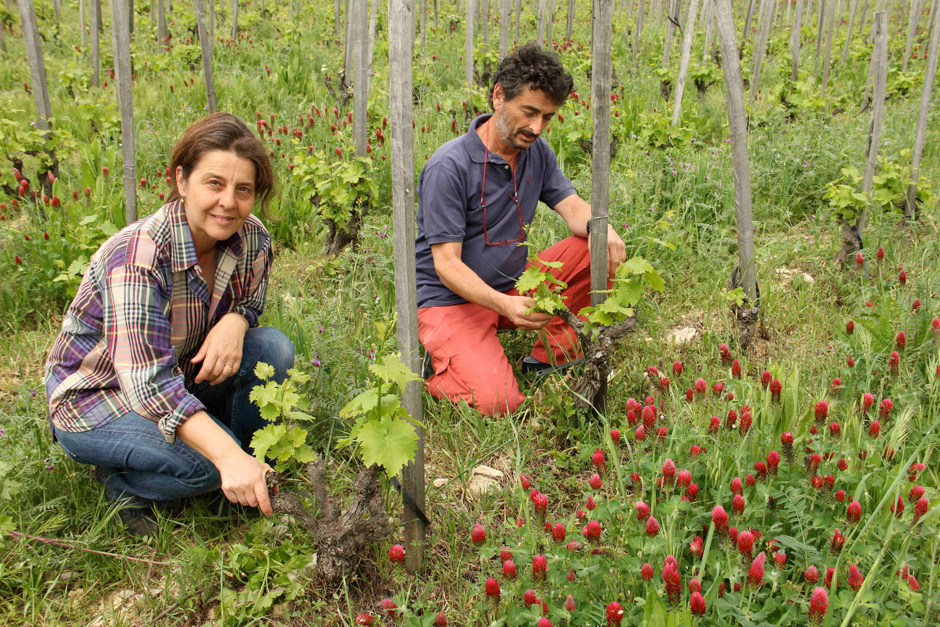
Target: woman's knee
pixel 269 345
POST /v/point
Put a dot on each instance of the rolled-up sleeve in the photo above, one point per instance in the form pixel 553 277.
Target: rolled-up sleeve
pixel 138 341
pixel 252 305
pixel 556 186
pixel 443 204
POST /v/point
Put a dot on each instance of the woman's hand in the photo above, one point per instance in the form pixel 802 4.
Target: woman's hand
pixel 243 476
pixel 221 352
pixel 243 480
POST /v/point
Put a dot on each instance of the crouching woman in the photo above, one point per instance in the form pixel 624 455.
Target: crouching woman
pixel 149 379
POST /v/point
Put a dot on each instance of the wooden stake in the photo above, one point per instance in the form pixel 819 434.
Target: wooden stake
pixel 602 18
pixel 832 10
pixel 37 65
pixel 336 18
pixel 640 10
pixel 747 21
pixel 94 24
pixel 762 37
pixel 687 38
pixel 161 26
pixel 403 207
pixel 360 89
pixel 820 29
pixel 848 37
pixel 540 32
pixel 549 23
pixel 913 21
pixel 710 27
pixel 206 49
pixel 675 9
pixel 505 6
pixel 880 73
pixel 121 40
pixel 424 25
pixel 737 124
pixel 795 40
pixel 234 19
pixel 468 50
pixel 930 72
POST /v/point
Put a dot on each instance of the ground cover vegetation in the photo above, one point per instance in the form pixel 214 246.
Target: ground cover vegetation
pixel 793 483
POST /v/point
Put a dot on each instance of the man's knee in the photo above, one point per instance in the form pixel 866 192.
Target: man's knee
pixel 494 402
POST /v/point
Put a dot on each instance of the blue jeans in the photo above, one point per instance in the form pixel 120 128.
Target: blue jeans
pixel 143 468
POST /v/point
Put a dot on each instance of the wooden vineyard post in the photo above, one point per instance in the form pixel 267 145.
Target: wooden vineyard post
pixel 403 208
pixel 601 41
pixel 234 19
pixel 468 52
pixel 687 38
pixel 709 27
pixel 505 6
pixel 848 37
pixel 424 26
pixel 569 27
pixel 795 40
pixel 94 28
pixel 673 18
pixel 121 41
pixel 910 208
pixel 37 65
pixel 336 18
pixel 820 29
pixel 540 31
pixel 747 21
pixel 370 47
pixel 827 60
pixel 161 25
pixel 206 48
pixel 746 274
pixel 639 26
pixel 517 16
pixel 763 33
pixel 549 22
pixel 914 19
pixel 361 71
pixel 3 41
pixel 879 69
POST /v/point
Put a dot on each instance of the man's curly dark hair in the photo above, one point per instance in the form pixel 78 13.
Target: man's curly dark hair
pixel 531 67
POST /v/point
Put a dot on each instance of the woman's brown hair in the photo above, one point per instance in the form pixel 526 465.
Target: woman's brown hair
pixel 222 131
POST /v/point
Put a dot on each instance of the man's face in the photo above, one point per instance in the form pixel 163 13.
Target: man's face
pixel 520 121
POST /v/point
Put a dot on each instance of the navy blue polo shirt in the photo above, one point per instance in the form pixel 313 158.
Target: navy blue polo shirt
pixel 449 210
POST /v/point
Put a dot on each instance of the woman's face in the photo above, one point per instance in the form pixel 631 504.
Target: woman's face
pixel 218 196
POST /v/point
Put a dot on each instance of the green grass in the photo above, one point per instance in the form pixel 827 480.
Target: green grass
pixel 342 310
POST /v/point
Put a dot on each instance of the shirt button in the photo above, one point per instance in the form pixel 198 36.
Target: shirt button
pixel 505 167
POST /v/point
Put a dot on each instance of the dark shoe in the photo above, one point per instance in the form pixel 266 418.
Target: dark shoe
pixel 135 513
pixel 540 369
pixel 427 369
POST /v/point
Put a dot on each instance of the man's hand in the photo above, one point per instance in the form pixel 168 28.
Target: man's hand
pixel 515 308
pixel 221 352
pixel 616 252
pixel 243 480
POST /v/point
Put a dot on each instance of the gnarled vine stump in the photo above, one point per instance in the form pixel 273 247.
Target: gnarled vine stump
pixel 596 355
pixel 341 536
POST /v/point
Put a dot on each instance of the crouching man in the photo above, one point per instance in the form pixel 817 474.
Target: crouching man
pixel 476 199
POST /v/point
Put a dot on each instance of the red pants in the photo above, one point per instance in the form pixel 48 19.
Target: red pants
pixel 470 363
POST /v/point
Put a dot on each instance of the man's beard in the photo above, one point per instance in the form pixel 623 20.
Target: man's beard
pixel 505 132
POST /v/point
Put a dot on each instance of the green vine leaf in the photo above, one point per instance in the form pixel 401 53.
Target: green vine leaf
pixel 390 443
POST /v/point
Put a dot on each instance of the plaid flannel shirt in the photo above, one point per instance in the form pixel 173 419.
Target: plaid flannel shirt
pixel 141 313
